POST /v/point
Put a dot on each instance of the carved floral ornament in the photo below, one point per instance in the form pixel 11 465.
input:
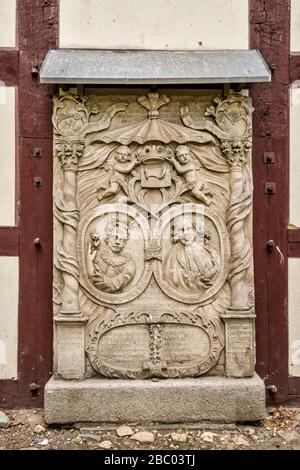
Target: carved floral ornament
pixel 153 207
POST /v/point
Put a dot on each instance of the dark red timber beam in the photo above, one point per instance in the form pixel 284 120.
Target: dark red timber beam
pixel 270 33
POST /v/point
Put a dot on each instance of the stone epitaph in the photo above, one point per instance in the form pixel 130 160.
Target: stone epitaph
pixel 153 271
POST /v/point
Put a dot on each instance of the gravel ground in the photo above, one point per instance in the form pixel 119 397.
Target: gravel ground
pixel 28 430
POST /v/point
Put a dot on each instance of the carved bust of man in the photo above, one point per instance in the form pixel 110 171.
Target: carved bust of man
pixel 190 264
pixel 109 268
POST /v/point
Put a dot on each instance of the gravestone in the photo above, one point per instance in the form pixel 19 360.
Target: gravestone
pixel 153 261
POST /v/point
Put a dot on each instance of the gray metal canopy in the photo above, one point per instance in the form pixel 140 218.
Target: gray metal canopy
pixel 81 66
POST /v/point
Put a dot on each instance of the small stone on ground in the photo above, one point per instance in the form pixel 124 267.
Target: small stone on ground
pixel 179 437
pixel 289 436
pixel 39 429
pixel 35 418
pixel 207 436
pixel 124 431
pixel 143 437
pixel 4 420
pixel 105 445
pixel 44 442
pixel 240 441
pixel 91 437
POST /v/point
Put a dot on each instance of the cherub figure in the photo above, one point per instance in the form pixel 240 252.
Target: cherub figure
pixel 123 164
pixel 184 165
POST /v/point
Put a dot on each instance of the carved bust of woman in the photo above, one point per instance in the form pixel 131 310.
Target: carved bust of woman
pixel 190 264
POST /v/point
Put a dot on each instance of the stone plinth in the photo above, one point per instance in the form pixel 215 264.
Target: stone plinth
pixel 214 399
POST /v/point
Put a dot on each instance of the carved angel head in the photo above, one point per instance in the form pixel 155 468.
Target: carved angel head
pixel 183 154
pixel 123 154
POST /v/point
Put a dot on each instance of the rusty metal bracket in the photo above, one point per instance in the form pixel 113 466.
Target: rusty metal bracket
pixel 37 152
pixel 38 181
pixel 272 389
pixel 35 70
pixel 37 242
pixel 269 158
pixel 270 245
pixel 270 188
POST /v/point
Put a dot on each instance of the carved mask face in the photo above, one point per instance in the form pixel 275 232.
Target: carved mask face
pixel 116 238
pixel 184 233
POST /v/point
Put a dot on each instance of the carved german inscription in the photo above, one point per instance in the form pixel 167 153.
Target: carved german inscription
pixel 153 248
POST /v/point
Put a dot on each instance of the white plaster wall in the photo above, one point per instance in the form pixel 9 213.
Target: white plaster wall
pixel 7 156
pixel 295 25
pixel 154 24
pixel 295 154
pixel 294 317
pixel 9 290
pixel 7 23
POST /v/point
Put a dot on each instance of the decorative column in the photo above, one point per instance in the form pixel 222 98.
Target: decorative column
pixel 70 323
pixel 239 318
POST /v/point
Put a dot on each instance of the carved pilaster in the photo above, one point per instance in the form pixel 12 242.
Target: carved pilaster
pixel 69 152
pixel 69 361
pixel 236 153
pixel 234 130
pixel 240 343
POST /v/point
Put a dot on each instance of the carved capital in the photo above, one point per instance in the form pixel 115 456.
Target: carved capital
pixel 236 152
pixel 69 152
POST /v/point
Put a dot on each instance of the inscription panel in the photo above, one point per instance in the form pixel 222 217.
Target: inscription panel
pixel 239 346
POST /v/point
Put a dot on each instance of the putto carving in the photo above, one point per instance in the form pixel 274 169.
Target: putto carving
pixel 121 165
pixel 185 165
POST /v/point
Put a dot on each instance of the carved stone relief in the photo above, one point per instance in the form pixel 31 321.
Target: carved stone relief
pixel 153 237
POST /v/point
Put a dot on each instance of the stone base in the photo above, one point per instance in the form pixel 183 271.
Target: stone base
pixel 214 399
